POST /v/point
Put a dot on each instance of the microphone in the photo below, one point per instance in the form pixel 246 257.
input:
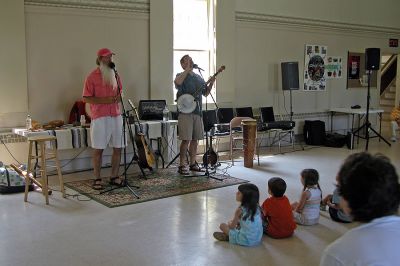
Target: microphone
pixel 111 65
pixel 197 67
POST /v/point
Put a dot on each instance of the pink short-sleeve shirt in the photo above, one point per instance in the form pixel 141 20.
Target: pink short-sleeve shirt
pixel 95 87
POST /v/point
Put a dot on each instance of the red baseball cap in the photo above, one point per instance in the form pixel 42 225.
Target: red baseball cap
pixel 104 52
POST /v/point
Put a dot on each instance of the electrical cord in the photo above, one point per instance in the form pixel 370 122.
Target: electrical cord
pixel 9 151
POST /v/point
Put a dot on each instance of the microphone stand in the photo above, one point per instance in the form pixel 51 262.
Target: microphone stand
pixel 125 121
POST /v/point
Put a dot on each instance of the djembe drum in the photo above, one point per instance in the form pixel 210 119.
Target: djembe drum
pixel 249 141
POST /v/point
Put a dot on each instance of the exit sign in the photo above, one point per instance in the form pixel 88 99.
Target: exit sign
pixel 393 42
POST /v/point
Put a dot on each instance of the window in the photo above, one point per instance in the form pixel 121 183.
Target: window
pixel 194 34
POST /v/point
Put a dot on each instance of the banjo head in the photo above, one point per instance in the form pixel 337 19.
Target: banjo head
pixel 186 103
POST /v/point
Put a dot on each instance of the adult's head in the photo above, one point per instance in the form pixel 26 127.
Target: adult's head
pixel 104 56
pixel 186 62
pixel 103 60
pixel 369 186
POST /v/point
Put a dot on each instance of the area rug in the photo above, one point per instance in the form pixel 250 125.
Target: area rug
pixel 162 183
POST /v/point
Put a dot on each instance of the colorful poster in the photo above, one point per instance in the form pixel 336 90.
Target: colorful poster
pixel 333 67
pixel 314 68
pixel 354 67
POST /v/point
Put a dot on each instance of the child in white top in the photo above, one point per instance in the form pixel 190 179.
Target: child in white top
pixel 306 211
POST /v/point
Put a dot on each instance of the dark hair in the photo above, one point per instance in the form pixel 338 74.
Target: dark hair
pixel 250 199
pixel 183 58
pixel 370 185
pixel 311 178
pixel 277 186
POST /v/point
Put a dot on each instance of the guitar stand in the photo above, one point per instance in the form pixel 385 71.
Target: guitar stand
pixel 207 173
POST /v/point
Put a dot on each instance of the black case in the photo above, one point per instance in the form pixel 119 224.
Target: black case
pixel 314 132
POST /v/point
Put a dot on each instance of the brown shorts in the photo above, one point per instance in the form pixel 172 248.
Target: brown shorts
pixel 190 127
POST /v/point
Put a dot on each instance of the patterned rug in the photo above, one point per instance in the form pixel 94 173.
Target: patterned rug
pixel 162 183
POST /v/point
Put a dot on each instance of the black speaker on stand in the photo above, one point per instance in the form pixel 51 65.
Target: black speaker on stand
pixel 290 81
pixel 372 61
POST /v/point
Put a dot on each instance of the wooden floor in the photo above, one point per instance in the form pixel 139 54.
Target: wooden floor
pixel 171 231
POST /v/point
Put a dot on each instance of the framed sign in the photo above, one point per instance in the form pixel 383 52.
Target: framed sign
pixel 356 74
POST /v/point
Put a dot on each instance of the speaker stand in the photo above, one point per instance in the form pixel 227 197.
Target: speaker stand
pixel 367 124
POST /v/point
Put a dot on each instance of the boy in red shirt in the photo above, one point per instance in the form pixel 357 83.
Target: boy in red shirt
pixel 278 218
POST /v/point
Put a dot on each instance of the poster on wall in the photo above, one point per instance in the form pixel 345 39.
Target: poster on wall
pixel 353 66
pixel 314 68
pixel 333 67
pixel 356 74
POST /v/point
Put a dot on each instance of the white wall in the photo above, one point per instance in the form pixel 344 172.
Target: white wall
pixel 13 77
pixel 61 51
pixel 258 78
pixel 383 13
pixel 161 50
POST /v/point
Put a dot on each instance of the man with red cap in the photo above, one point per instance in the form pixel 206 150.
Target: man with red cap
pixel 102 92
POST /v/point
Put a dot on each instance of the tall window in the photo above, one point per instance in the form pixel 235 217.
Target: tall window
pixel 194 34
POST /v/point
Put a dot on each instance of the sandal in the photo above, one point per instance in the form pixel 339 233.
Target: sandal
pixel 113 181
pixel 183 170
pixel 195 168
pixel 221 236
pixel 97 185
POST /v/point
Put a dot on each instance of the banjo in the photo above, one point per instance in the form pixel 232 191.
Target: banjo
pixel 186 103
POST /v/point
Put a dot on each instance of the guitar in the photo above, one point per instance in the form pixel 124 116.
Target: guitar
pixel 210 157
pixel 186 103
pixel 145 153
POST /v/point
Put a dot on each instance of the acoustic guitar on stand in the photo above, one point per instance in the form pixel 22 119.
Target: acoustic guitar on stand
pixel 145 153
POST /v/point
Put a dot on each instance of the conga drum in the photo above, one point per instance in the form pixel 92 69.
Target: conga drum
pixel 249 141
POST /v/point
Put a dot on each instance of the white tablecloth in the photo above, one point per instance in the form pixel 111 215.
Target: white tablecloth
pixel 78 137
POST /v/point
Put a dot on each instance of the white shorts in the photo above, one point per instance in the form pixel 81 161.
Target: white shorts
pixel 107 131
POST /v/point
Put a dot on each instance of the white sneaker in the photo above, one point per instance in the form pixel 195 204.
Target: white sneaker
pixel 393 139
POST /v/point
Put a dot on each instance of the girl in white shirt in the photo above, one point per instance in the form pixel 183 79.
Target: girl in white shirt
pixel 306 210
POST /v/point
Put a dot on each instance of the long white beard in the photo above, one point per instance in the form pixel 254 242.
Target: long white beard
pixel 108 76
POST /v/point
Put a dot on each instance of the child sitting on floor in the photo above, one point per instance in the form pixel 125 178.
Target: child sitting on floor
pixel 306 211
pixel 246 226
pixel 278 218
pixel 337 214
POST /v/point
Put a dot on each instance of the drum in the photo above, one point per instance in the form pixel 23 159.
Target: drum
pixel 249 141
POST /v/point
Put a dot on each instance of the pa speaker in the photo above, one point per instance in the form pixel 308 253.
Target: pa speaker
pixel 290 75
pixel 372 58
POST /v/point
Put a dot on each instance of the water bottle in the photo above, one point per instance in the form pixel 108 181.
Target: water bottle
pixel 83 120
pixel 165 113
pixel 28 122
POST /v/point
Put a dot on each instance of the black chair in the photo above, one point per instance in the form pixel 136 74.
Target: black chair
pixel 209 120
pixel 224 115
pixel 267 114
pixel 174 115
pixel 244 112
pixel 280 129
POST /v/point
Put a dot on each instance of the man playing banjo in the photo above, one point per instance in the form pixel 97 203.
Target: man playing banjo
pixel 190 125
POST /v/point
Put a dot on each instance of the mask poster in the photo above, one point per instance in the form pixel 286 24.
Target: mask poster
pixel 314 68
pixel 333 67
